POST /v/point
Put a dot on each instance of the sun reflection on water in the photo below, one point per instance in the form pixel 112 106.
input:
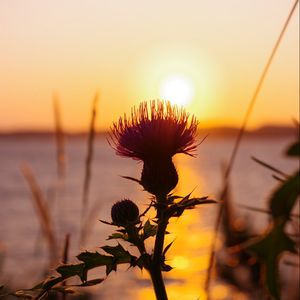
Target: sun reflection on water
pixel 189 254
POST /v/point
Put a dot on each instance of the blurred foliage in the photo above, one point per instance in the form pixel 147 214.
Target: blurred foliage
pixel 270 246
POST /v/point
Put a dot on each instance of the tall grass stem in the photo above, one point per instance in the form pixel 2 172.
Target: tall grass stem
pixel 59 138
pixel 88 166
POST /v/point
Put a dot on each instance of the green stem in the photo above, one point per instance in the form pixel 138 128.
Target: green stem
pixel 158 283
pixel 155 269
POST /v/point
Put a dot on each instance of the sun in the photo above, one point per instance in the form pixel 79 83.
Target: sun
pixel 178 89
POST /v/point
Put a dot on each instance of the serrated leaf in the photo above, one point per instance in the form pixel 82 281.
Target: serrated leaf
pixel 51 282
pixel 115 236
pixel 70 270
pixel 149 230
pixel 94 259
pixel 142 261
pixel 111 267
pixel 119 253
pixel 283 199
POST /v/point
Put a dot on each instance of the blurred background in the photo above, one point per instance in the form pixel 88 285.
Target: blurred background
pixel 205 56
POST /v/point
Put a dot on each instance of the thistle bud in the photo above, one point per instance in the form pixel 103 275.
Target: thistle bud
pixel 124 213
pixel 159 177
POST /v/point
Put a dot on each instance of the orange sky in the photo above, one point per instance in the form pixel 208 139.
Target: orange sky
pixel 126 49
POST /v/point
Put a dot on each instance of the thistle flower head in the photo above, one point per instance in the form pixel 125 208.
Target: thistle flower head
pixel 154 131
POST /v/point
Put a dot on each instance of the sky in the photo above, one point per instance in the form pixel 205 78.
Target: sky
pixel 209 54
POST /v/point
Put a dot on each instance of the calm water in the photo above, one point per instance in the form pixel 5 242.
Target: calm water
pixel 22 247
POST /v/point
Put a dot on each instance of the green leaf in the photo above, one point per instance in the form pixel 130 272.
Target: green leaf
pixel 142 261
pixel 283 199
pixel 115 236
pixel 294 149
pixel 177 209
pixel 269 248
pixel 110 268
pixel 119 253
pixel 70 270
pixel 149 230
pixel 94 259
pixel 51 282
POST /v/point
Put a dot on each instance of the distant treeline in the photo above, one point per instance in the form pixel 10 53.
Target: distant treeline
pixel 219 132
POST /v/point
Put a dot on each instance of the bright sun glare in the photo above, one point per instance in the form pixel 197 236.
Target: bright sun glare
pixel 177 89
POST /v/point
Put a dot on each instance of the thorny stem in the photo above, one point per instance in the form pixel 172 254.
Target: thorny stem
pixel 152 265
pixel 155 268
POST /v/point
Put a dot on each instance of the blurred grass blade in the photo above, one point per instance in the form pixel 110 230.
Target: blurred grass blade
pixel 88 165
pixel 269 167
pixel 65 257
pixel 257 209
pixel 42 212
pixel 59 138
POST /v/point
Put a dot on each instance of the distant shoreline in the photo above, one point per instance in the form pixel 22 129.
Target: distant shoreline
pixel 213 132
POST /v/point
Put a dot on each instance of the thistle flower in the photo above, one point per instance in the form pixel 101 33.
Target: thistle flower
pixel 161 130
pixel 154 134
pixel 124 213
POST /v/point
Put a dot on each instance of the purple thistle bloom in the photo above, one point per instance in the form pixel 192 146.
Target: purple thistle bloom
pixel 155 132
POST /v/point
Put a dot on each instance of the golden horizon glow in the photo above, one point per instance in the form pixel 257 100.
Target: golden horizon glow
pixel 46 49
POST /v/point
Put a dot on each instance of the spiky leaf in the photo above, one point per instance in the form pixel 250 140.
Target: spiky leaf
pixel 116 236
pixel 119 253
pixel 149 230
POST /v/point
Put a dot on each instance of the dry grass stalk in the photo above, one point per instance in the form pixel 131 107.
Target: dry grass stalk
pixel 42 212
pixel 239 139
pixel 65 254
pixel 59 138
pixel 88 165
pixel 65 258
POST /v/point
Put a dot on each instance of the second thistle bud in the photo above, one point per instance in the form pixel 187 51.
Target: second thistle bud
pixel 124 213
